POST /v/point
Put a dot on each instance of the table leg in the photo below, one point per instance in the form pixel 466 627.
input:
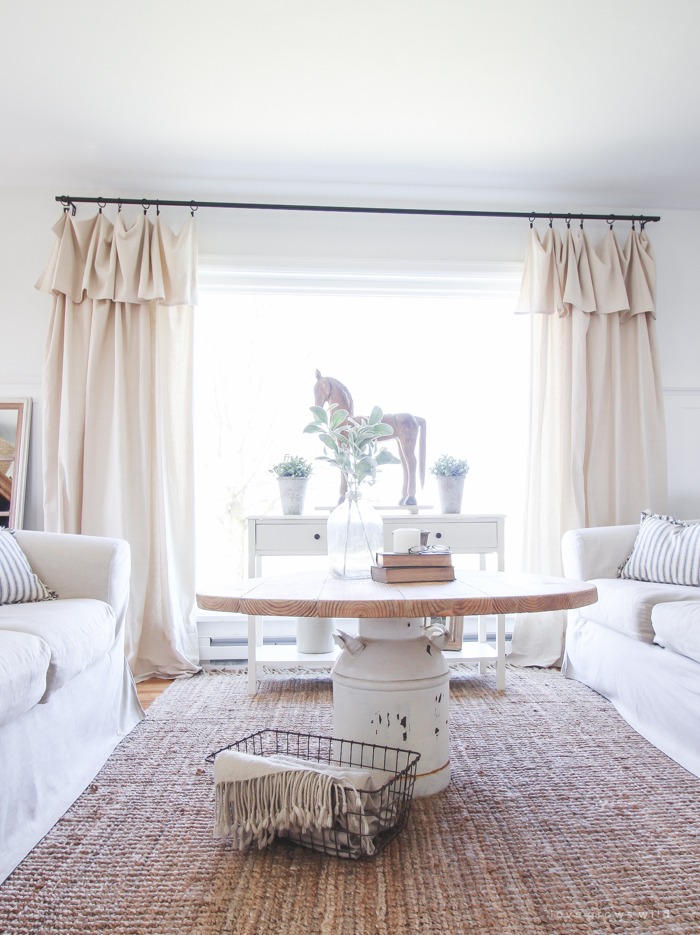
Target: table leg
pixel 252 655
pixel 501 653
pixel 482 636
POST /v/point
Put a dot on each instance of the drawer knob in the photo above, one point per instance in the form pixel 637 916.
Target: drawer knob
pixel 317 535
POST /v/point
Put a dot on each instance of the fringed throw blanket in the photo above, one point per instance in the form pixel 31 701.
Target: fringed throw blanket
pixel 258 798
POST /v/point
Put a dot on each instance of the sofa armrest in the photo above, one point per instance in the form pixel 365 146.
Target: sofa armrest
pixel 81 566
pixel 596 552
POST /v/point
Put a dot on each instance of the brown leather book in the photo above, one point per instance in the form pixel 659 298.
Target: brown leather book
pixel 397 573
pixel 406 559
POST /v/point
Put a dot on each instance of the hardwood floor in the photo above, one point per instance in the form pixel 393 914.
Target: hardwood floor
pixel 150 689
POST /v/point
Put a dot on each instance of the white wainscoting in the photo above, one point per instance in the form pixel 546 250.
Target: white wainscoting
pixel 683 444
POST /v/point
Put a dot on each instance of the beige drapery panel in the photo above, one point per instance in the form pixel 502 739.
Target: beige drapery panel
pixel 117 420
pixel 597 432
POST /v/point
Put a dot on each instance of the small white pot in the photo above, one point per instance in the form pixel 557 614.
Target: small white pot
pixel 450 492
pixel 315 634
pixel 292 493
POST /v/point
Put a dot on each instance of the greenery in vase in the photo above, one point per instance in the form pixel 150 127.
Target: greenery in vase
pixel 447 466
pixel 352 443
pixel 292 466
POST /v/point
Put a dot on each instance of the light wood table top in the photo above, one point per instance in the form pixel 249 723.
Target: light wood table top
pixel 319 594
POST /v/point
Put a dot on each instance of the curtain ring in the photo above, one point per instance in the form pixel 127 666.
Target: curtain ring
pixel 642 224
pixel 581 222
pixel 551 221
pixel 633 224
pixel 119 206
pixel 611 221
pixel 157 208
pixel 568 221
pixel 146 205
pixel 73 209
pixel 194 207
pixel 101 203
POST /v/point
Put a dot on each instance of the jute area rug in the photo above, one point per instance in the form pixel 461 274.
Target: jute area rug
pixel 559 819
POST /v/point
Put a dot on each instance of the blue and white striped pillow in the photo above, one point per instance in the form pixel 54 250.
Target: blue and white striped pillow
pixel 666 550
pixel 18 583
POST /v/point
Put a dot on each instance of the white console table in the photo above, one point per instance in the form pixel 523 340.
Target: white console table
pixel 306 535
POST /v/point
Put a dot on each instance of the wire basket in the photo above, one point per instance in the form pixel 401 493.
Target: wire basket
pixel 383 812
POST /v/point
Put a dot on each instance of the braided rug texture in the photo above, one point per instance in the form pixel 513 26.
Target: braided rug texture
pixel 559 819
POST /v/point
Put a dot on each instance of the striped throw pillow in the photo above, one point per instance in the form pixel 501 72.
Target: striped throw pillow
pixel 18 583
pixel 666 550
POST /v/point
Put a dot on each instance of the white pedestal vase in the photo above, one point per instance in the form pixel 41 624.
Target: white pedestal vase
pixel 450 492
pixel 292 494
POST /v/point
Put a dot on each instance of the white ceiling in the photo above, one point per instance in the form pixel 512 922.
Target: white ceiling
pixel 466 102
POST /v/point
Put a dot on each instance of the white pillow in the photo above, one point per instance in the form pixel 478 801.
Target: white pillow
pixel 18 583
pixel 666 550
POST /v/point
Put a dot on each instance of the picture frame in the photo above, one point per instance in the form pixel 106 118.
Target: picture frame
pixel 15 420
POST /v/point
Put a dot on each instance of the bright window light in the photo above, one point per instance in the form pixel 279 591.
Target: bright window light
pixel 460 362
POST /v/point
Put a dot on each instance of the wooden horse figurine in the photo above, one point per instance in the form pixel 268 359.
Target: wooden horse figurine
pixel 408 431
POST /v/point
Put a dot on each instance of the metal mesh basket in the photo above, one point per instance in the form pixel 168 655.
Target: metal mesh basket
pixel 383 812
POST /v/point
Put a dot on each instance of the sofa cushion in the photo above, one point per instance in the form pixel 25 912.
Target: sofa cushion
pixel 24 663
pixel 18 583
pixel 77 630
pixel 677 627
pixel 626 606
pixel 666 550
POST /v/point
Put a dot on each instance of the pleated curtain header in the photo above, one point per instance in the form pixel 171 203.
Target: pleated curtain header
pixel 139 263
pixel 567 272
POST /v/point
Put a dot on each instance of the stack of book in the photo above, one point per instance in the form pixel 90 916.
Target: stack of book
pixel 406 566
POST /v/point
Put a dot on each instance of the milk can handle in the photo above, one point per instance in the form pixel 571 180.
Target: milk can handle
pixel 353 644
pixel 437 634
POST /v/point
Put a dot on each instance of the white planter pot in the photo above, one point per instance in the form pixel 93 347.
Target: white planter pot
pixel 315 634
pixel 450 491
pixel 292 493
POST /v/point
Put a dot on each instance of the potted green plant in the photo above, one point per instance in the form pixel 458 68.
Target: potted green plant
pixel 450 473
pixel 355 529
pixel 292 474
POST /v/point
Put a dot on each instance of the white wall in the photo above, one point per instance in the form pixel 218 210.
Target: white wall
pixel 676 241
pixel 26 241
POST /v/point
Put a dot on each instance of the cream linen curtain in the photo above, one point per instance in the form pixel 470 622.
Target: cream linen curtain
pixel 117 421
pixel 597 433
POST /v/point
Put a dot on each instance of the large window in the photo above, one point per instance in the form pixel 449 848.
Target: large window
pixel 456 356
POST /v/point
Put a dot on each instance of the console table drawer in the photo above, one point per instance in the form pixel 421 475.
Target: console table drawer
pixel 459 536
pixel 291 538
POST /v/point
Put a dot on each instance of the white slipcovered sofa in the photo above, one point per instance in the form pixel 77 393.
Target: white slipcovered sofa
pixel 66 693
pixel 639 644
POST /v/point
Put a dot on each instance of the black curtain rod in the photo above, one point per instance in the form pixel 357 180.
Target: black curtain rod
pixel 70 201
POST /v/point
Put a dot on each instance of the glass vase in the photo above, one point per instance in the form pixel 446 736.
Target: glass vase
pixel 355 535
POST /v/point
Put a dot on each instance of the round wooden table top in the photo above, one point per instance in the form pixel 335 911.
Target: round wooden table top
pixel 319 594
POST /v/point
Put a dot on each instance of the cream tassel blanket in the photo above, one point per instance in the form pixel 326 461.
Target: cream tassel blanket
pixel 259 797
